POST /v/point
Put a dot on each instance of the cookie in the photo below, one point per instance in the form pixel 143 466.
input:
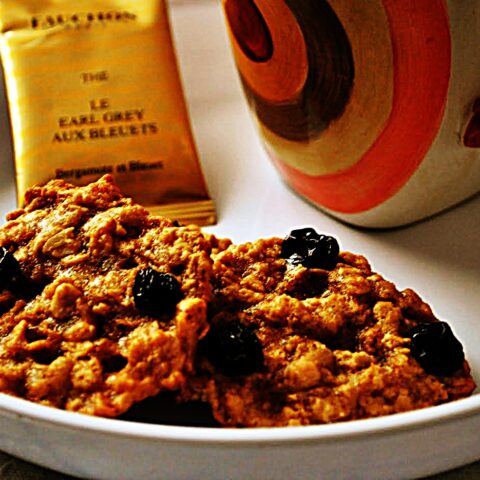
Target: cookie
pixel 104 304
pixel 302 333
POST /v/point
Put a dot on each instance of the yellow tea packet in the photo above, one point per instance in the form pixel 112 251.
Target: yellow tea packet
pixel 93 87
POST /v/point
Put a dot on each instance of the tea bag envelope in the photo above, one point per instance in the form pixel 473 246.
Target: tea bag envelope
pixel 94 88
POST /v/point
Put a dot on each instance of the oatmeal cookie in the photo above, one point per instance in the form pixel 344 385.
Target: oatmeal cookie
pixel 302 333
pixel 103 304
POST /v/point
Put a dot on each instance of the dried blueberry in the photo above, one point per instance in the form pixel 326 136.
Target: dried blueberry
pixel 436 348
pixel 10 271
pixel 306 247
pixel 233 349
pixel 156 292
pixel 13 279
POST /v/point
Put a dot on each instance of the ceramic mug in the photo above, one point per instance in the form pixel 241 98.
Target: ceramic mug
pixel 368 109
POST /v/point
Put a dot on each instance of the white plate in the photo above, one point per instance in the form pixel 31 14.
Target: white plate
pixel 439 258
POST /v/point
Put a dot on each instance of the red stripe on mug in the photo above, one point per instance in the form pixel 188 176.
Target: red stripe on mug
pixel 421 44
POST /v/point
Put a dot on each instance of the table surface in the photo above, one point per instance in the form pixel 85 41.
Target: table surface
pixel 202 85
pixel 15 469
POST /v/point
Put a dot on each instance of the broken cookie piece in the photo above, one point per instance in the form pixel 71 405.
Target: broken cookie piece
pixel 99 334
pixel 302 333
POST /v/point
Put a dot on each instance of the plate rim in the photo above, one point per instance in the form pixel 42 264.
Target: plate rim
pixel 340 431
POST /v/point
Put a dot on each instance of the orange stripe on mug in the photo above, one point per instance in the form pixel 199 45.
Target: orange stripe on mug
pixel 266 74
pixel 421 46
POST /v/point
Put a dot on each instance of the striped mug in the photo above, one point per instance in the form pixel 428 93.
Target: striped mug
pixel 370 109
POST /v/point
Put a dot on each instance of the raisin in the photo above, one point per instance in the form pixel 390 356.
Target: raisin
pixel 312 250
pixel 155 292
pixel 233 349
pixel 436 348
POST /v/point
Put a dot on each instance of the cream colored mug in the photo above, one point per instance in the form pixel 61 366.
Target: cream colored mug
pixel 368 109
